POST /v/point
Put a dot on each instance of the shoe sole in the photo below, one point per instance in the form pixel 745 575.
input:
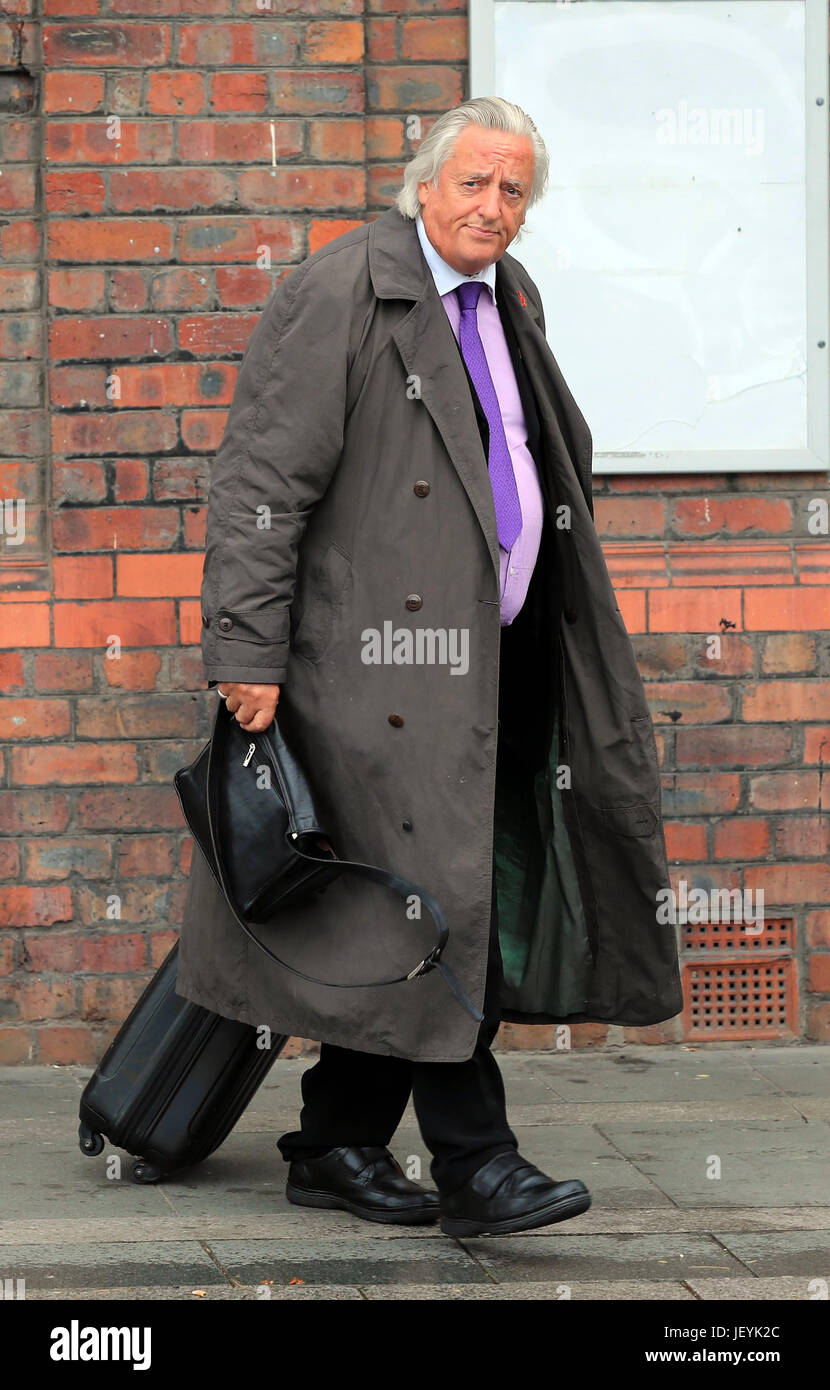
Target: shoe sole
pixel 560 1210
pixel 302 1197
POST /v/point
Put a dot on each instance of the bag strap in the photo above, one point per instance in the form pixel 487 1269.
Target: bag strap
pixel 402 886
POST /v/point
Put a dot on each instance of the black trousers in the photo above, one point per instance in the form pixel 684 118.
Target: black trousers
pixel 352 1097
pixel 358 1098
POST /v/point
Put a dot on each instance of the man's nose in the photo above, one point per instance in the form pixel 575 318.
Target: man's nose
pixel 490 205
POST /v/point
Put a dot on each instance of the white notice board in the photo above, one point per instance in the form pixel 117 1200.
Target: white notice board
pixel 682 246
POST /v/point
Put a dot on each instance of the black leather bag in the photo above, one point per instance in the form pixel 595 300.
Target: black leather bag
pixel 265 845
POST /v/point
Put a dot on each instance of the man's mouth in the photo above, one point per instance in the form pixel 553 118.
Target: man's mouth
pixel 482 231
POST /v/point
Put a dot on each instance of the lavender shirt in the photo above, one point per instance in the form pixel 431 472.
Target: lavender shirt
pixel 516 565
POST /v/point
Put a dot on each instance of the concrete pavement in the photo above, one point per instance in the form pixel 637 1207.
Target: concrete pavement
pixel 709 1169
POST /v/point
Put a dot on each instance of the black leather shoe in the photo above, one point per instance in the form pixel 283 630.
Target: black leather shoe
pixel 368 1182
pixel 510 1194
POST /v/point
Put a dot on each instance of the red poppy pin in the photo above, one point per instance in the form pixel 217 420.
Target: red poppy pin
pixel 522 300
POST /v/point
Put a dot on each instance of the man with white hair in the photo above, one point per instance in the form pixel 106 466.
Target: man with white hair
pixel 400 413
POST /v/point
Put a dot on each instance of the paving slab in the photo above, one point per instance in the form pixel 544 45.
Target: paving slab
pixel 203 1293
pixel 760 1163
pixel 33 1092
pixel 588 1257
pixel 787 1287
pixel 768 1253
pixel 644 1073
pixel 581 1151
pixel 293 1224
pixel 345 1261
pixel 51 1177
pixel 118 1265
pixel 797 1072
pixel 638 1125
pixel 794 1109
pixel 622 1290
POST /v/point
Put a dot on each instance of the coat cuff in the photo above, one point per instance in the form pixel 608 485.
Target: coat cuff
pixel 246 645
pixel 246 675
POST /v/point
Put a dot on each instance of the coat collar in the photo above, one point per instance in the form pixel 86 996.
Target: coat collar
pixel 399 270
pixel 435 370
pixel 446 277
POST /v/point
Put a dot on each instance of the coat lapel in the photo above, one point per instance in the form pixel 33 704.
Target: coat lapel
pixel 430 354
pixel 563 428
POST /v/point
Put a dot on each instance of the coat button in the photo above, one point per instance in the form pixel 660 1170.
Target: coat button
pixel 414 601
pixel 421 488
pixel 406 825
pixel 225 624
pixel 569 614
pixel 396 720
pixel 205 620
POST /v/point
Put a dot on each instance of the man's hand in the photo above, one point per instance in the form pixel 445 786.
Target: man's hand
pixel 253 705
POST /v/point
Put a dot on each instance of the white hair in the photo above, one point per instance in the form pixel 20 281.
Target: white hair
pixel 494 113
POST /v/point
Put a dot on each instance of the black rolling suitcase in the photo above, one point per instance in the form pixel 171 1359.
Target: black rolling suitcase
pixel 173 1082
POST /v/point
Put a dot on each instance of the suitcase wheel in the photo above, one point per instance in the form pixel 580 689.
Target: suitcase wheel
pixel 89 1141
pixel 145 1172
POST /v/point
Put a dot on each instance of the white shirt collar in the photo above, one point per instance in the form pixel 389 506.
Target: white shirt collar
pixel 446 278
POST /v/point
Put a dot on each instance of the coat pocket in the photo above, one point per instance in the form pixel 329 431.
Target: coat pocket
pixel 322 589
pixel 625 791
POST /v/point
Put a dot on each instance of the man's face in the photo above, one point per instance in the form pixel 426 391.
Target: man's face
pixel 479 204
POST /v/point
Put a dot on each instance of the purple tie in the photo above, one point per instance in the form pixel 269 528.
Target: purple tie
pixel 500 464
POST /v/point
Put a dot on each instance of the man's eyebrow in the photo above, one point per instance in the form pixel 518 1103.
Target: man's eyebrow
pixel 486 174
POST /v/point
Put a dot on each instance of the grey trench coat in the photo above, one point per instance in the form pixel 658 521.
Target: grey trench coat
pixel 351 391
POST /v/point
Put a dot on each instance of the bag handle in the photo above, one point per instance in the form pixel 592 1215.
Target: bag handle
pixel 402 886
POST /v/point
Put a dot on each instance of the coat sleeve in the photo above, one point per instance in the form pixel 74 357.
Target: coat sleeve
pixel 282 441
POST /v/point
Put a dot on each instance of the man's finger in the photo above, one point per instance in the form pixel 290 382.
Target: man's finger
pixel 258 724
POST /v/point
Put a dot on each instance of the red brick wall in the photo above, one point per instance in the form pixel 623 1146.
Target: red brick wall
pixel 158 176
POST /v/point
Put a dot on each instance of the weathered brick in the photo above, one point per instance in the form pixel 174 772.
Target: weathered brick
pixel 77 764
pixel 42 999
pixel 145 624
pixel 684 841
pixel 788 654
pixel 817 928
pixel 17 1045
pixel 110 998
pixel 24 905
pixel 30 812
pixel 731 516
pixel 790 701
pixel 111 239
pixel 700 702
pixel 83 576
pixel 818 977
pixel 66 1045
pixel 733 745
pixel 139 855
pixel 802 837
pixel 110 338
pixel 26 718
pixel 105 528
pixel 59 857
pixel 105 45
pixel 742 837
pixel 134 716
pixel 139 808
pixel 784 791
pixel 132 670
pixel 786 885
